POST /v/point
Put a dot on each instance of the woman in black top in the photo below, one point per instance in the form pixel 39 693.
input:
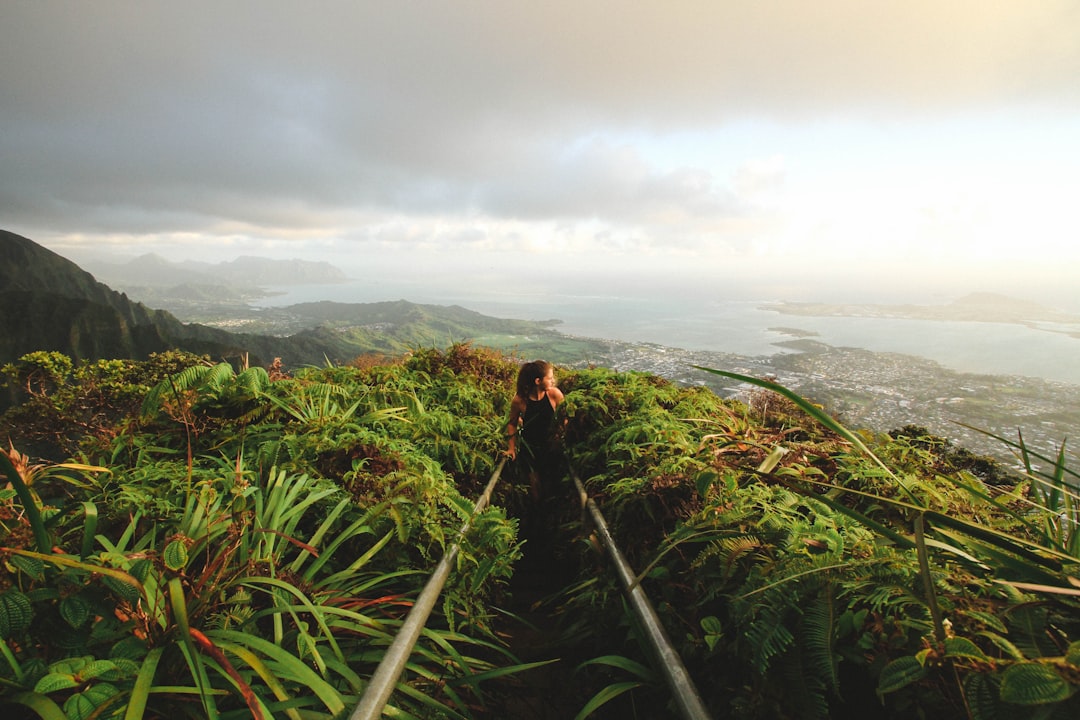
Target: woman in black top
pixel 532 416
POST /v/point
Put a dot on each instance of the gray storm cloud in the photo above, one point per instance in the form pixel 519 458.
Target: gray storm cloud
pixel 136 117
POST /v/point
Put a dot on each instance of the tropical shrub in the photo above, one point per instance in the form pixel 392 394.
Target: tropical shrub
pixel 60 407
pixel 224 542
pixel 806 564
pixel 244 544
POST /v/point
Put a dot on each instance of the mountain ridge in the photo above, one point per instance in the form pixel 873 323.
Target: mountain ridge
pixel 49 303
pixel 248 272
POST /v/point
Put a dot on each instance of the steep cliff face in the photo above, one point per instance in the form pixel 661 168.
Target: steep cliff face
pixel 49 303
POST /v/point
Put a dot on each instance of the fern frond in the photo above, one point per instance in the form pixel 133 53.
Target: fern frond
pixel 182 381
pixel 254 380
pixel 727 552
pixel 216 377
pixel 817 632
pixel 767 637
pixel 804 690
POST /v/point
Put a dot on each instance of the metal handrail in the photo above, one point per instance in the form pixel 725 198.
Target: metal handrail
pixel 382 683
pixel 671 665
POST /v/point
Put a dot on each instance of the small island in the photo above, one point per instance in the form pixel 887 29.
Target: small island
pixel 976 307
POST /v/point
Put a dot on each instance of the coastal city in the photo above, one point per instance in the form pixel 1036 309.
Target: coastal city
pixel 885 391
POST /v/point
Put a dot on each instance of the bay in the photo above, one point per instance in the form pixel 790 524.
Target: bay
pixel 696 321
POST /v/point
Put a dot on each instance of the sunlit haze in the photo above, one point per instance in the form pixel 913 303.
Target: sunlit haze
pixel 838 147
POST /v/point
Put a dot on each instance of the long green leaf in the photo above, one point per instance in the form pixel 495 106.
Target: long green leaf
pixel 1026 452
pixel 605 696
pixel 68 561
pixel 317 537
pixel 353 567
pixel 140 691
pixel 288 665
pixel 440 709
pixel 29 503
pixel 43 705
pixel 806 406
pixel 359 526
pixel 507 670
pixel 191 653
pixel 1042 555
pixel 865 520
pixel 1035 587
pixel 315 611
pixel 622 663
pixel 89 528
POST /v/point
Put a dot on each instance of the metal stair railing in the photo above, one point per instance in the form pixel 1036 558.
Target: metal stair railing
pixel 382 683
pixel 674 671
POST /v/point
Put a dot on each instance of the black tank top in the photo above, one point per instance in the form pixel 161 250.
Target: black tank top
pixel 536 429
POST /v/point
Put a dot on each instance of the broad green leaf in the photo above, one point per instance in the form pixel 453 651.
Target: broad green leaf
pixel 32 566
pixel 175 555
pixel 900 673
pixel 69 666
pixel 704 481
pixel 988 619
pixel 1033 684
pixel 711 624
pixel 75 610
pixel 54 682
pixel 15 613
pixel 1072 655
pixel 79 706
pixel 124 590
pixel 100 668
pixel 1003 644
pixel 962 647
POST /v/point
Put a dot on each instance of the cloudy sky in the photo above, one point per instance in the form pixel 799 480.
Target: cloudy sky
pixel 826 139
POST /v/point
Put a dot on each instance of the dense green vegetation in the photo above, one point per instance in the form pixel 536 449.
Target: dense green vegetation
pixel 183 538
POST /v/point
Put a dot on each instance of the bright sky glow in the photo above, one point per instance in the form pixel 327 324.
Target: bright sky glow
pixel 923 140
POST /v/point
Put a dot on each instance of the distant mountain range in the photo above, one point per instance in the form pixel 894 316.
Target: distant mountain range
pixel 152 270
pixel 49 303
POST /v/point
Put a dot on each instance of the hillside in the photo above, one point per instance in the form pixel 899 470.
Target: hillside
pixel 49 303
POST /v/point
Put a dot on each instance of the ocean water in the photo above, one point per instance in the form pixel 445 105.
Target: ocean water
pixel 726 322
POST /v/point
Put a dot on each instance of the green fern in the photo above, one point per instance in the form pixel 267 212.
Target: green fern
pixel 817 633
pixel 805 695
pixel 768 635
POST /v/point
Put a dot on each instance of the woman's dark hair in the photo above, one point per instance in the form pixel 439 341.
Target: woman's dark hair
pixel 529 373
